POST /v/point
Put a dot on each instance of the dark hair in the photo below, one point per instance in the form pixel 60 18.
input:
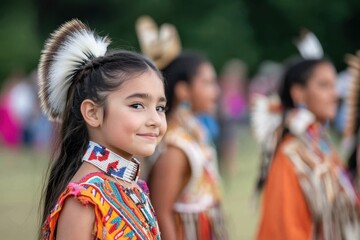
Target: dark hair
pixel 95 81
pixel 182 69
pixel 297 73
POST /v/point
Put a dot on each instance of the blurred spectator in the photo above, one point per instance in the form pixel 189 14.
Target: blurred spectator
pixel 343 81
pixel 232 111
pixel 39 129
pixel 21 120
pixel 13 104
pixel 266 81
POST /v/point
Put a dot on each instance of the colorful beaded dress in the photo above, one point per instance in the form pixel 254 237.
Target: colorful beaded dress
pixel 120 212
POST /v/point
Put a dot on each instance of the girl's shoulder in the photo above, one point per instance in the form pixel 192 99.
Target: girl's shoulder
pixel 82 190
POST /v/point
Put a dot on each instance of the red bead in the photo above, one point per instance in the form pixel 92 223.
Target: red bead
pixel 154 230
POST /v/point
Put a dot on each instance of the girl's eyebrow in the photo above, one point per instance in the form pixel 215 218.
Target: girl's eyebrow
pixel 144 96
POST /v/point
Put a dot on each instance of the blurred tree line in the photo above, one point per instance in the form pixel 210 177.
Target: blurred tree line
pixel 252 30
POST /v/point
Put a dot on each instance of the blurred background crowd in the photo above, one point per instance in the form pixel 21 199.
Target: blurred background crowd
pixel 248 41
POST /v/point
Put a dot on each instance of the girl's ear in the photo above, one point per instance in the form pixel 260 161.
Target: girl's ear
pixel 92 113
pixel 182 91
pixel 297 93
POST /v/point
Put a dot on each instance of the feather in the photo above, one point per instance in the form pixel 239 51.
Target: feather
pixel 301 119
pixel 265 116
pixel 309 46
pixel 161 44
pixel 353 98
pixel 65 53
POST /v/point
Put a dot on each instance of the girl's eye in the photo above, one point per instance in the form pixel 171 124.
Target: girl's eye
pixel 137 106
pixel 161 108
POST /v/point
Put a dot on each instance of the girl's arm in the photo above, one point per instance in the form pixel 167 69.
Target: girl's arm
pixel 76 221
pixel 169 176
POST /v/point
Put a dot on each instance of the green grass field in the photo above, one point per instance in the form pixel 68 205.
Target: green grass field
pixel 21 174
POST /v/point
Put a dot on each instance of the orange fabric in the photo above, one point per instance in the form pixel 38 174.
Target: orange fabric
pixel 116 215
pixel 285 214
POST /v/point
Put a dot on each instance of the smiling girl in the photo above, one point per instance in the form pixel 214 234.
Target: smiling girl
pixel 111 107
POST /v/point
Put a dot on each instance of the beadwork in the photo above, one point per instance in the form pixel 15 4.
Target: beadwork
pixel 111 163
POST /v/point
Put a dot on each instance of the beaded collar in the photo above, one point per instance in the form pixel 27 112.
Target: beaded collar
pixel 111 163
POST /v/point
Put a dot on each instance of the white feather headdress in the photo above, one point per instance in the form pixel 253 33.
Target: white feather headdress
pixel 161 44
pixel 65 53
pixel 309 45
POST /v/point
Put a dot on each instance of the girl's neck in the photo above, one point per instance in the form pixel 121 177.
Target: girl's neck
pixel 111 163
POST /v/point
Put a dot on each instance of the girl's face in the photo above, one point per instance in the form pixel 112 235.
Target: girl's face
pixel 204 90
pixel 320 92
pixel 135 120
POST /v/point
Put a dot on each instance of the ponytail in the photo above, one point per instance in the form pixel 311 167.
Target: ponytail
pixel 75 66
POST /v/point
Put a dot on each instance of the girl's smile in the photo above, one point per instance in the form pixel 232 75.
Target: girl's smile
pixel 150 136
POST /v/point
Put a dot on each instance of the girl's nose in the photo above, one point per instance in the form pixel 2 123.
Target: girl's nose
pixel 154 118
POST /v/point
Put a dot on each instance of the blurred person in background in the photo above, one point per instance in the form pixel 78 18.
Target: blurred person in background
pixel 307 192
pixel 266 80
pixel 232 111
pixel 21 121
pixel 184 181
pixel 38 130
pixel 343 82
pixel 17 102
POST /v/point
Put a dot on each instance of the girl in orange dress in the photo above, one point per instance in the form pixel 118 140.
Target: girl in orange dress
pixel 111 106
pixel 307 192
